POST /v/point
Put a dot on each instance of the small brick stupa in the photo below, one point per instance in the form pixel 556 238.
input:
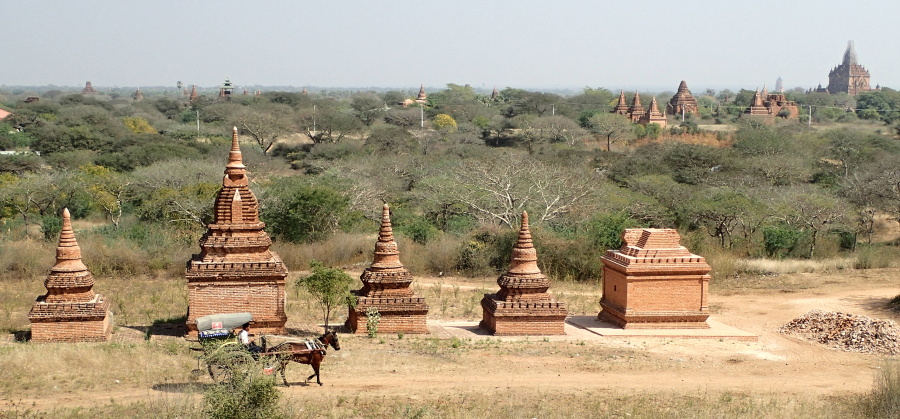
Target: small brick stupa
pixel 653 115
pixel 70 311
pixel 636 110
pixel 138 96
pixel 621 107
pixel 235 271
pixel 386 288
pixel 523 306
pixel 421 97
pixel 653 282
pixel 194 96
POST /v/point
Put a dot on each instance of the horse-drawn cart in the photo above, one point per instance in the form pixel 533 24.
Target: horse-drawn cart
pixel 221 352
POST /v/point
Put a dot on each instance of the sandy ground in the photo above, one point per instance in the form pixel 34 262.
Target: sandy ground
pixel 585 361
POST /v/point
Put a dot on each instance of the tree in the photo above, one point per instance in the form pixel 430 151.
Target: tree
pixel 264 123
pixel 368 107
pixel 809 210
pixel 107 189
pixel 328 123
pixel 444 122
pixel 720 211
pixel 613 127
pixel 329 286
pixel 299 213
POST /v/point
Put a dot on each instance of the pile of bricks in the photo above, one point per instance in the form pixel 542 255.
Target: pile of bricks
pixel 847 332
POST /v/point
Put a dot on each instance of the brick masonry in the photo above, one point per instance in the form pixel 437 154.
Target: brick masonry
pixel 70 311
pixel 386 287
pixel 653 282
pixel 522 306
pixel 235 271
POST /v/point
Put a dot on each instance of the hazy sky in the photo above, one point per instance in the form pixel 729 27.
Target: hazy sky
pixel 522 43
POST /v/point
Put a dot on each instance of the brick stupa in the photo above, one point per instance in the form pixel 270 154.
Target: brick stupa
pixel 194 96
pixel 636 109
pixel 235 271
pixel 621 107
pixel 653 282
pixel 683 102
pixel 70 311
pixel 386 287
pixel 523 306
pixel 88 89
pixel 653 115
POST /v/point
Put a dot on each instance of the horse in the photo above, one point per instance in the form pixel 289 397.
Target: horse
pixel 300 352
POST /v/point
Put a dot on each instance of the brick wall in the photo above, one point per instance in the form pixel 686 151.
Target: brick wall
pixel 264 299
pixel 72 331
pixel 407 315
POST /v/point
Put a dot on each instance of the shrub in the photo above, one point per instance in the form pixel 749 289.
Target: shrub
pixel 884 399
pixel 373 317
pixel 605 230
pixel 780 240
pixel 248 393
pixel 330 287
pixel 300 213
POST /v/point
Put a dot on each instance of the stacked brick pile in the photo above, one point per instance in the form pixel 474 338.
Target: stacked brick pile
pixel 235 272
pixel 523 306
pixel 70 311
pixel 653 282
pixel 847 332
pixel 386 288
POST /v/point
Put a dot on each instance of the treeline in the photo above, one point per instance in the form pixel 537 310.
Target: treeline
pixel 457 185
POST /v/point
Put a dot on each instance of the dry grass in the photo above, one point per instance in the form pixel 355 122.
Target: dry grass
pixel 340 250
pixel 790 266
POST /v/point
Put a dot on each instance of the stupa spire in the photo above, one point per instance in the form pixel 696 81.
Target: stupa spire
pixel 636 102
pixel 235 158
pixel 524 255
pixel 621 98
pixel 194 96
pixel 386 288
pixel 850 54
pixel 68 253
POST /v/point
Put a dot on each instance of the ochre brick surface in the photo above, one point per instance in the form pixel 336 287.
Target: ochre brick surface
pixel 654 282
pixel 386 287
pixel 70 311
pixel 522 306
pixel 235 271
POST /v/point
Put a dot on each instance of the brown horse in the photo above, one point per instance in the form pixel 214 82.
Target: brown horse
pixel 301 353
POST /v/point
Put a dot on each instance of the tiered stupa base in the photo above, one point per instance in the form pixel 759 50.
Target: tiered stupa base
pixel 511 318
pixel 71 322
pixel 398 315
pixel 654 320
pixel 264 299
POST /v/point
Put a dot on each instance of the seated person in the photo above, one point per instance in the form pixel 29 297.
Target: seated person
pixel 244 338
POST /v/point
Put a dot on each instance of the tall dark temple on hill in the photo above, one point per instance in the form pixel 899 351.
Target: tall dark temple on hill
pixel 849 77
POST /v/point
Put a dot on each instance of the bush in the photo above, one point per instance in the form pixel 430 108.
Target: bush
pixel 780 240
pixel 884 400
pixel 605 230
pixel 248 393
pixel 300 213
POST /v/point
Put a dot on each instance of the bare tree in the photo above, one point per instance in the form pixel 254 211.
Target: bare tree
pixel 264 123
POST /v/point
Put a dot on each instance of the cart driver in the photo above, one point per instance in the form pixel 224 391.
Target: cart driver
pixel 244 338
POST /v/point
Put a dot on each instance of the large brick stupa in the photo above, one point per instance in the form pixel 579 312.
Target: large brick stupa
pixel 70 311
pixel 235 271
pixel 653 282
pixel 523 306
pixel 386 288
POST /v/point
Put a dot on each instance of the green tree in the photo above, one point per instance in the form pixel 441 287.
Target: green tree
pixel 299 213
pixel 444 122
pixel 265 123
pixel 330 287
pixel 613 127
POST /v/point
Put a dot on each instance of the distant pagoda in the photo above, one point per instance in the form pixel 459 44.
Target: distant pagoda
pixel 636 109
pixel 682 102
pixel 194 96
pixel 88 89
pixel 653 115
pixel 70 311
pixel 849 77
pixel 621 107
pixel 523 306
pixel 138 96
pixel 386 288
pixel 235 271
pixel 421 97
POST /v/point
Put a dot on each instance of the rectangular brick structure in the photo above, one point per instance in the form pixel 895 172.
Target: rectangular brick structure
pixel 235 271
pixel 70 311
pixel 523 306
pixel 386 288
pixel 653 282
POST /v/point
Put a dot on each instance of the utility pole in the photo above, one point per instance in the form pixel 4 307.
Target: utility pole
pixel 809 120
pixel 198 122
pixel 422 116
pixel 682 113
pixel 314 119
pixel 553 112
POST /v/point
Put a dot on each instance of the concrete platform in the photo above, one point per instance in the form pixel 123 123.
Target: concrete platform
pixel 716 330
pixel 589 328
